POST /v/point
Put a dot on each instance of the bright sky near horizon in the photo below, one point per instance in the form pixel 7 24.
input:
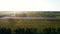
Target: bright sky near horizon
pixel 29 5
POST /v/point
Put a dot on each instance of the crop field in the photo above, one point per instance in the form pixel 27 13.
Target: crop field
pixel 39 24
pixel 30 24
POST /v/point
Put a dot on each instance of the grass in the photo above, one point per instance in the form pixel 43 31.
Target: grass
pixel 29 23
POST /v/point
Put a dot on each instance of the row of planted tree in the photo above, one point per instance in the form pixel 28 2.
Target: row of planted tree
pixel 30 31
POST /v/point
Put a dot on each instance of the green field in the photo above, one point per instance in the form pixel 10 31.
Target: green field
pixel 29 23
pixel 35 25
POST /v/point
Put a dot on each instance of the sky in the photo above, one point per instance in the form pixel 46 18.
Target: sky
pixel 29 5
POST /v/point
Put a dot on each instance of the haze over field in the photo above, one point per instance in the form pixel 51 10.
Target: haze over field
pixel 31 14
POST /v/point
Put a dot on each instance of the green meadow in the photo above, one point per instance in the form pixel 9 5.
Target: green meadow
pixel 33 23
pixel 31 26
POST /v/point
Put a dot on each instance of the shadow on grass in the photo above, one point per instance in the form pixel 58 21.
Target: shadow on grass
pixel 29 31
